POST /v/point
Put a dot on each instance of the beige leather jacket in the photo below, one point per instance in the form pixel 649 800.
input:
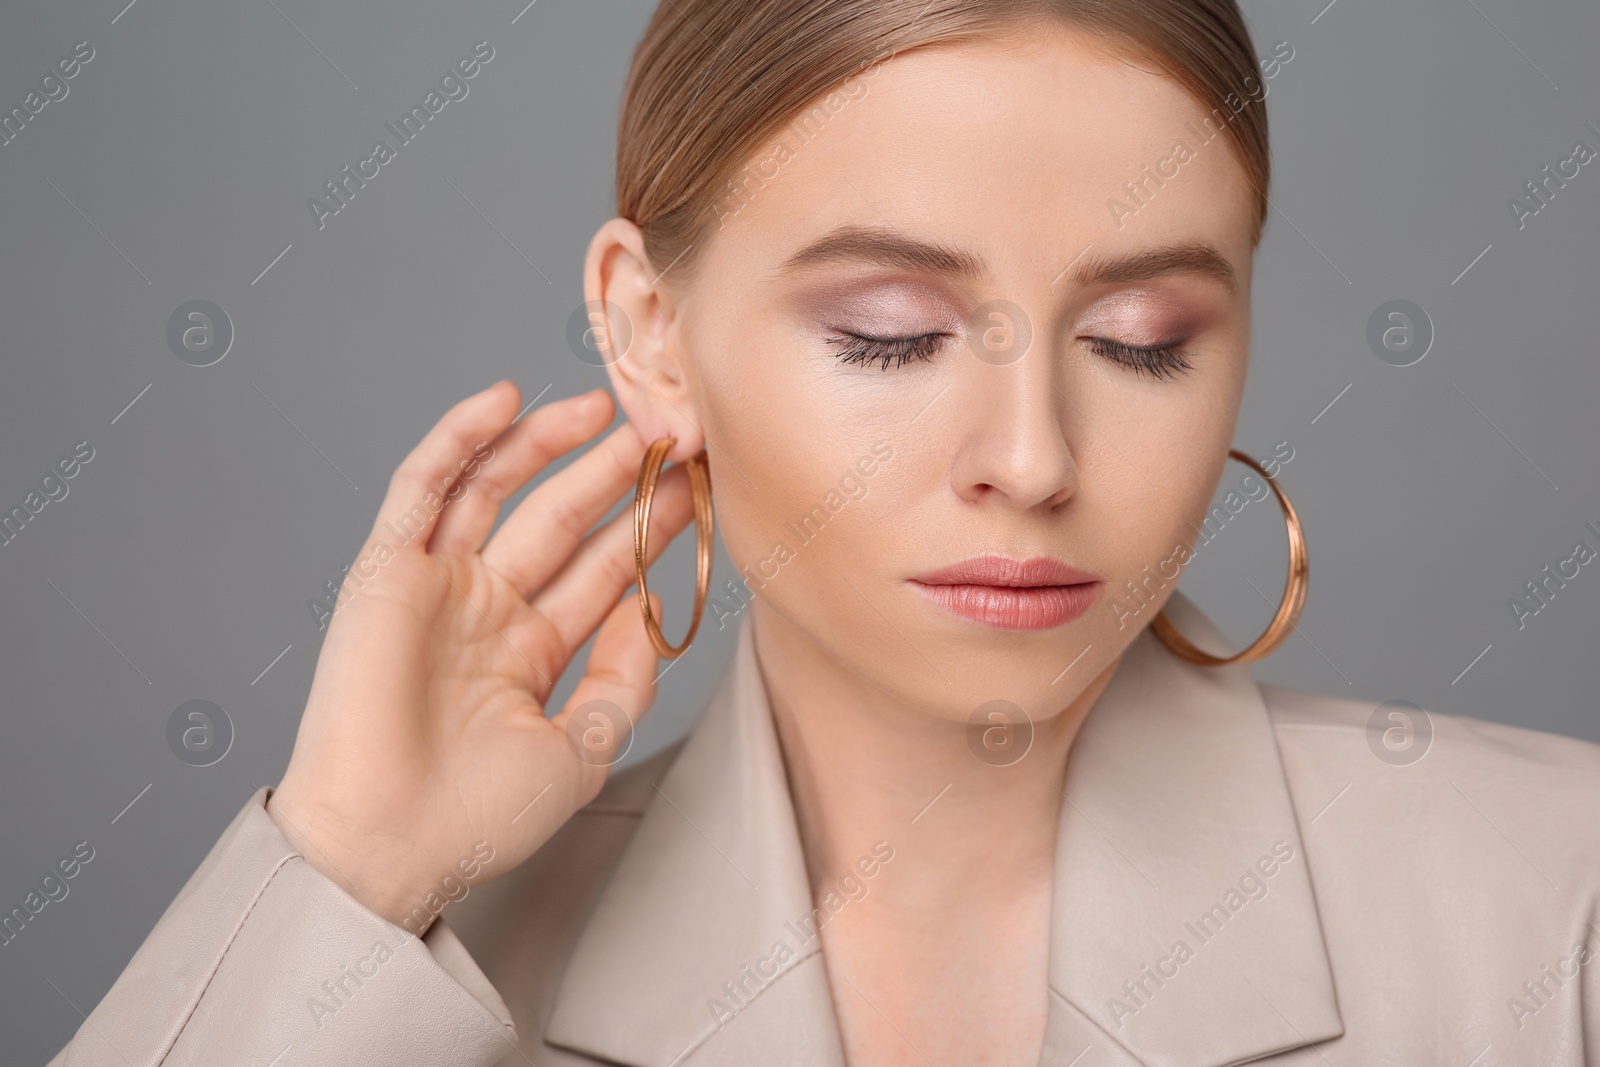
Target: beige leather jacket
pixel 1244 874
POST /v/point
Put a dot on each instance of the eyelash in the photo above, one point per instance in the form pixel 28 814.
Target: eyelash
pixel 1157 361
pixel 857 348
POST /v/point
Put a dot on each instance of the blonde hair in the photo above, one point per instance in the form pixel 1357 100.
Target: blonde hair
pixel 713 80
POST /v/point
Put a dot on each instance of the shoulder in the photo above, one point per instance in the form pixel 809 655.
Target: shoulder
pixel 1366 736
pixel 1453 861
pixel 1391 795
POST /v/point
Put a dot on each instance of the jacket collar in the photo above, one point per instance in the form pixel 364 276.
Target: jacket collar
pixel 1184 931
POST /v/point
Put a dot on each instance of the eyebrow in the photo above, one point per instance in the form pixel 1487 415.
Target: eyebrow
pixel 894 249
pixel 1194 257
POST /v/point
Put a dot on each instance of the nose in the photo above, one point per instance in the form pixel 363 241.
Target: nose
pixel 1017 446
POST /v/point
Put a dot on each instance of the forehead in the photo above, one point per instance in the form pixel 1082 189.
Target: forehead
pixel 1017 147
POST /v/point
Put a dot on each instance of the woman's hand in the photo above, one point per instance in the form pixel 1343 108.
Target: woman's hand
pixel 425 737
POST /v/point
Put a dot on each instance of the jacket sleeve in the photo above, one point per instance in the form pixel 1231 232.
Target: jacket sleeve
pixel 261 959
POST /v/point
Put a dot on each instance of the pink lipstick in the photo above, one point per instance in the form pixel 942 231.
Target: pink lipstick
pixel 1038 593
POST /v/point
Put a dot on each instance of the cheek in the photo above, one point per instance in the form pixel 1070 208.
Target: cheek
pixel 1179 454
pixel 794 491
pixel 805 469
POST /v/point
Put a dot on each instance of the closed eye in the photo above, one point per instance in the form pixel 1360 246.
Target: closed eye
pixel 1157 361
pixel 865 350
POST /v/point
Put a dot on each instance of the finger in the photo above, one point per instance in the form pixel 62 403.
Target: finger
pixel 415 496
pixel 519 452
pixel 616 689
pixel 543 530
pixel 578 597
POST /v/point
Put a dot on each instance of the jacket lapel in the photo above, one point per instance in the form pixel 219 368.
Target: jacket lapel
pixel 696 951
pixel 1184 930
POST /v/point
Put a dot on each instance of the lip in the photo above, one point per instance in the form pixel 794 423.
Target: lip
pixel 1038 593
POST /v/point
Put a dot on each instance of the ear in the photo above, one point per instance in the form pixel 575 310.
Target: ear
pixel 639 333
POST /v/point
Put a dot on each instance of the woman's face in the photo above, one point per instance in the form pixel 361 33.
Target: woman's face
pixel 923 334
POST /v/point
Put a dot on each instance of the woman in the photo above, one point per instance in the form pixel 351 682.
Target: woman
pixel 952 298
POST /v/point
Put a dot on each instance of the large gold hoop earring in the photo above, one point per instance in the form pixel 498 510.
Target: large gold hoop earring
pixel 643 498
pixel 1294 593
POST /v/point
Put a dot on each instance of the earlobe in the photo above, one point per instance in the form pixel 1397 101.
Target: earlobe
pixel 637 321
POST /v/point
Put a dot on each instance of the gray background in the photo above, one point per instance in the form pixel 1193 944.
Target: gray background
pixel 180 563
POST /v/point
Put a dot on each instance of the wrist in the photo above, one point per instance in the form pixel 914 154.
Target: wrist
pixel 378 883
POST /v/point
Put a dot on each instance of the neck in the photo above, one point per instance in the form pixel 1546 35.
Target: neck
pixel 865 767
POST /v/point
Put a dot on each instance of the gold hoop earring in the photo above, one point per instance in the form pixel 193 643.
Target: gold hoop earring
pixel 1294 594
pixel 643 498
